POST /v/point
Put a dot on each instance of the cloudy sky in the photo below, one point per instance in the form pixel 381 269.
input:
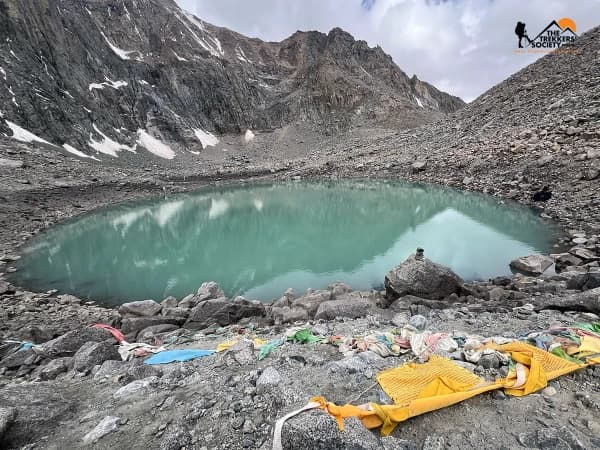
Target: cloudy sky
pixel 461 46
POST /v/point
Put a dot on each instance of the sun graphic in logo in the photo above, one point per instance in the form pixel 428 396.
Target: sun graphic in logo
pixel 566 22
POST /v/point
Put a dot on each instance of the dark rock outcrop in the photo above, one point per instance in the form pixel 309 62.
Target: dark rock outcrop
pixel 82 73
pixel 422 278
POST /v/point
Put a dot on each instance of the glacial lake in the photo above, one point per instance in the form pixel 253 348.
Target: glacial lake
pixel 259 240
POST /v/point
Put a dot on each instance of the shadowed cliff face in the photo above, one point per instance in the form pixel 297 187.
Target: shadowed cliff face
pixel 77 72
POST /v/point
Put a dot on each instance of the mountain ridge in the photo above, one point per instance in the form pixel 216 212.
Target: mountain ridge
pixel 78 72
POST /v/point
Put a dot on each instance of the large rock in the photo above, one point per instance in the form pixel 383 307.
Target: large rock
pixel 285 314
pixel 423 278
pixel 207 291
pixel 532 264
pixel 94 353
pixel 20 358
pixel 344 307
pixel 316 430
pixel 587 301
pixel 54 368
pixel 584 281
pixel 140 308
pixel 69 343
pixel 222 312
pixel 139 323
pixel 312 300
pixel 107 425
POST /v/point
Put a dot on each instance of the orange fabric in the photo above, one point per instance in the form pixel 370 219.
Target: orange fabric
pixel 420 388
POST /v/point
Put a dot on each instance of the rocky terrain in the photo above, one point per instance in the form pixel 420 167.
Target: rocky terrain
pixel 71 390
pixel 143 79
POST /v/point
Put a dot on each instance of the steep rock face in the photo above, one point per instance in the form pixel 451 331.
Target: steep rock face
pixel 114 76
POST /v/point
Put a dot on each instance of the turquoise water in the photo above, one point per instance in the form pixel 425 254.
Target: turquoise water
pixel 259 240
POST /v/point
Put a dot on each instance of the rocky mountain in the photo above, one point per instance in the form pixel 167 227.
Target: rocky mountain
pixel 101 77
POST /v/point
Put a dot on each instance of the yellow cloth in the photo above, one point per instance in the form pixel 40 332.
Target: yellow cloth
pixel 589 345
pixel 420 388
pixel 257 342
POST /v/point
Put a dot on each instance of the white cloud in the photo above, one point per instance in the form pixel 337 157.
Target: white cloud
pixel 465 46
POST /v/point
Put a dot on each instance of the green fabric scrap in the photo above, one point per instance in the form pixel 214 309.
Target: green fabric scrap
pixel 303 336
pixel 267 348
pixel 559 351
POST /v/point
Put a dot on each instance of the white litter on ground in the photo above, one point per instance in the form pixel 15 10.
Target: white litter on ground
pixel 107 145
pixel 206 139
pixel 419 102
pixel 22 135
pixel 179 58
pixel 109 83
pixel 248 136
pixel 123 54
pixel 154 146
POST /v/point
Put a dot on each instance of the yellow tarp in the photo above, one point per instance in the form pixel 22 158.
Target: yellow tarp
pixel 420 388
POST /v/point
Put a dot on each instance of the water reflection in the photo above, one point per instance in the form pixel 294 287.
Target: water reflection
pixel 260 240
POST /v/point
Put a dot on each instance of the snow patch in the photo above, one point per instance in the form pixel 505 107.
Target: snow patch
pixel 109 83
pixel 239 53
pixel 144 82
pixel 215 48
pixel 76 152
pixel 179 58
pixel 126 11
pixel 155 146
pixel 123 54
pixel 206 139
pixel 419 102
pixel 22 135
pixel 3 73
pixel 107 145
pixel 248 136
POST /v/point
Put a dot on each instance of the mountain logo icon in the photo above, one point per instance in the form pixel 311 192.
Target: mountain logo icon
pixel 555 35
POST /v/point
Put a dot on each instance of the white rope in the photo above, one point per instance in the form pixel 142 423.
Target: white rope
pixel 279 424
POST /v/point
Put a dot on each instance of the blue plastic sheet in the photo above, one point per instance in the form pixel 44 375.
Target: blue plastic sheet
pixel 169 356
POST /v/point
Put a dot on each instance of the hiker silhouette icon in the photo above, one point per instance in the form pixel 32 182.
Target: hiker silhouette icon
pixel 521 32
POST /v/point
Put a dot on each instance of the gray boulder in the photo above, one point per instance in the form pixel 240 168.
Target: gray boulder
pixel 107 425
pixel 584 281
pixel 312 300
pixel 20 358
pixel 54 368
pixel 317 430
pixel 286 314
pixel 586 301
pixel 268 379
pixel 135 324
pixel 69 343
pixel 222 312
pixel 94 353
pixel 150 332
pixel 140 308
pixel 532 264
pixel 207 291
pixel 136 387
pixel 338 288
pixel 344 307
pixel 422 278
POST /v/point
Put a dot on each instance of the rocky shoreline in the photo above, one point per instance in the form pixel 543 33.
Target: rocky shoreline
pixel 91 370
